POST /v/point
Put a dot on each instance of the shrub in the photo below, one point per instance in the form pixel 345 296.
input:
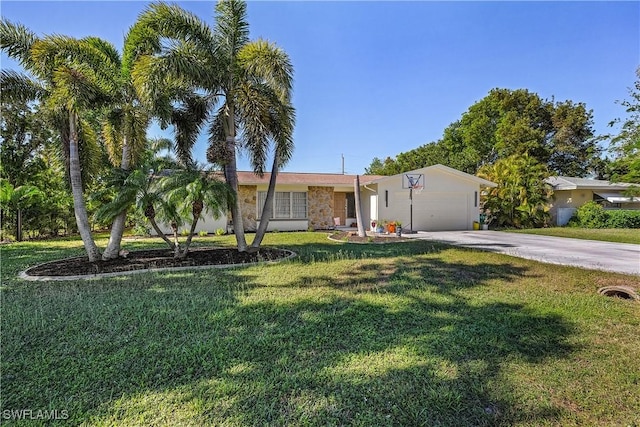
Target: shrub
pixel 593 215
pixel 220 232
pixel 623 219
pixel 202 233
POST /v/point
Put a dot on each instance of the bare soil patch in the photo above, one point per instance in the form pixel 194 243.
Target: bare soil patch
pixel 155 258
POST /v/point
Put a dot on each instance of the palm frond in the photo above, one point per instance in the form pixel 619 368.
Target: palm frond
pixel 89 56
pixel 16 41
pixel 171 21
pixel 188 121
pixel 265 119
pixel 217 152
pixel 252 104
pixel 232 29
pixel 104 50
pixel 20 87
pixel 89 151
pixel 265 63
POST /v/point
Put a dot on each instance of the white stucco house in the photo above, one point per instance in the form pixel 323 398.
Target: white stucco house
pixel 569 193
pixel 446 199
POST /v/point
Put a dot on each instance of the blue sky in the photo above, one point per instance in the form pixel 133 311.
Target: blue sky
pixel 373 79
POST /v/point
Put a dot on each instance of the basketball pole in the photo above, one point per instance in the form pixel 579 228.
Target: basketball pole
pixel 411 209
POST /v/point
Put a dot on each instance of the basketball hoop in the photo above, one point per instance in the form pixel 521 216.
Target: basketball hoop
pixel 414 182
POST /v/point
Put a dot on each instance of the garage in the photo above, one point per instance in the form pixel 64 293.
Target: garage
pixel 441 212
pixel 442 199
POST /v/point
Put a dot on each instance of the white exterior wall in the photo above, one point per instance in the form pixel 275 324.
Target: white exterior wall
pixel 448 202
pixel 206 223
pixel 287 225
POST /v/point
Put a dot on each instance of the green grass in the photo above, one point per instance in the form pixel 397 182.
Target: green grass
pixel 618 235
pixel 399 334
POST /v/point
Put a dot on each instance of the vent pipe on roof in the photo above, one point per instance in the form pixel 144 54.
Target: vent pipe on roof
pixel 342 154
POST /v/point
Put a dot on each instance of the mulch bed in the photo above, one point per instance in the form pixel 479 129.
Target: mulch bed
pixel 155 258
pixel 352 237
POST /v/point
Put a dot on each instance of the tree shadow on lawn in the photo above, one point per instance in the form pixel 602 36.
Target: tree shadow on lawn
pixel 219 347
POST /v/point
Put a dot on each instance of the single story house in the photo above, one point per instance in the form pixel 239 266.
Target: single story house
pixel 443 199
pixel 569 193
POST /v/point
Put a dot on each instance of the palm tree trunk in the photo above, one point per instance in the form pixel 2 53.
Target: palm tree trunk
pixel 231 176
pixel 79 207
pixel 19 225
pixel 117 227
pixel 176 242
pixel 359 221
pixel 183 253
pixel 160 234
pixel 267 209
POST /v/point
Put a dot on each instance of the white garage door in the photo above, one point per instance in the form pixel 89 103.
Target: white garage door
pixel 441 211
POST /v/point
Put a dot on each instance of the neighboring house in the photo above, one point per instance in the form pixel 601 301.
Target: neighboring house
pixel 570 193
pixel 448 200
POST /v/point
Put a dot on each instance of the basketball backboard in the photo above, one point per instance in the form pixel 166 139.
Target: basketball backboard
pixel 412 180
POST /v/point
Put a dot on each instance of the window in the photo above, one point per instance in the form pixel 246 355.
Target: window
pixel 286 204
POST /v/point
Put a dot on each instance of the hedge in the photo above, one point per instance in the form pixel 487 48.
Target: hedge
pixel 593 215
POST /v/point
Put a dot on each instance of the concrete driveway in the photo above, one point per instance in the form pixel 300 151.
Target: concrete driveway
pixel 589 254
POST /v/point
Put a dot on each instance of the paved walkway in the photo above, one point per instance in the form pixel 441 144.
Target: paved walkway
pixel 589 254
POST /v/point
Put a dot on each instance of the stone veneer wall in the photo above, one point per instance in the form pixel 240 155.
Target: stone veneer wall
pixel 248 199
pixel 320 209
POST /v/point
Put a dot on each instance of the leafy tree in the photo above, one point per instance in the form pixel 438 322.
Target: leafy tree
pixel 626 145
pixel 242 87
pixel 426 155
pixel 505 123
pixel 521 198
pixel 29 155
pixel 24 133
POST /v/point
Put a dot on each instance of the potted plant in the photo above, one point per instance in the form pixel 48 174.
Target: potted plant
pixel 391 227
pixel 381 225
pixel 398 228
pixel 484 221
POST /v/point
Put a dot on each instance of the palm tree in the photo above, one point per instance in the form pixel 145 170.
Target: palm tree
pixel 521 198
pixel 124 128
pixel 17 199
pixel 140 188
pixel 86 74
pixel 195 192
pixel 66 87
pixel 246 87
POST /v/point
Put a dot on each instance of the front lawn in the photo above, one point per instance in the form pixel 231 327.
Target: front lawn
pixel 618 235
pixel 399 334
